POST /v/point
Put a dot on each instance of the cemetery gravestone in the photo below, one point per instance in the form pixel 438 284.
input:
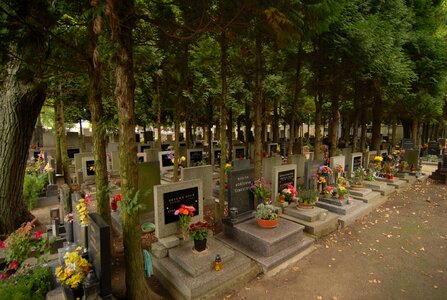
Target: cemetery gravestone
pixel 88 168
pixel 299 160
pixel 205 174
pixel 166 163
pixel 99 253
pixel 168 198
pixel 239 152
pixel 271 148
pixel 240 196
pixel 148 177
pixel 216 156
pixel 241 164
pixel 408 144
pixel 70 152
pixel 267 167
pixel 310 170
pixel 282 177
pixel 151 155
pixel 433 148
pixel 194 157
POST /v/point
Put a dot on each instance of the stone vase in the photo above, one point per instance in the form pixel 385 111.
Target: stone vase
pixel 69 232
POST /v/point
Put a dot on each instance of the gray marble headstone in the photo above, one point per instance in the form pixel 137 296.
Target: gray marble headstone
pixel 205 174
pixel 168 198
pixel 267 167
pixel 299 160
pixel 337 160
pixel 412 157
pixel 240 164
pixel 148 177
pixel 310 169
pixel 151 155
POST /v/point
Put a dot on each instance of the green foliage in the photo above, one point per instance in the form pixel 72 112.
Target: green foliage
pixel 308 196
pixel 132 204
pixel 32 285
pixel 266 212
pixel 33 186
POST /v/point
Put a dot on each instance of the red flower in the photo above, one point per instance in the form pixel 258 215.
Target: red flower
pixel 87 199
pixel 13 265
pixel 2 245
pixel 118 197
pixel 4 276
pixel 33 147
pixel 38 234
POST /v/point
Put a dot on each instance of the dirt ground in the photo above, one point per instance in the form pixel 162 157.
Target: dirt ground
pixel 399 251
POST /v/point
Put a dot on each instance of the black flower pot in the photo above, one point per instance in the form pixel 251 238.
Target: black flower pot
pixel 200 245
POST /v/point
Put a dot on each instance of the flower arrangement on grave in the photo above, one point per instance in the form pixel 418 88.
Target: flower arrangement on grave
pixel 329 190
pixel 342 192
pixel 74 271
pixel 48 168
pixel 69 218
pixel 261 190
pixel 324 171
pixel 378 159
pixel 403 165
pixel 82 208
pixel 228 166
pixel 199 230
pixel 338 169
pixel 115 201
pixel 22 244
pixel 288 194
pixel 267 215
pixel 180 161
pixel 185 214
pixel 359 176
pixel 342 180
pixel 308 198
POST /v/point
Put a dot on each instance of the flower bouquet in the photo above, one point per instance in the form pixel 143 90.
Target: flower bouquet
pixel 75 270
pixel 288 194
pixel 185 214
pixel 261 190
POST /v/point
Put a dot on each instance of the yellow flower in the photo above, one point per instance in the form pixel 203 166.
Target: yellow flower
pixel 378 158
pixel 341 188
pixel 183 158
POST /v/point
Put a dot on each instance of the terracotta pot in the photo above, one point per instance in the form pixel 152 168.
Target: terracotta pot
pixel 341 197
pixel 199 245
pixel 305 205
pixel 356 186
pixel 268 223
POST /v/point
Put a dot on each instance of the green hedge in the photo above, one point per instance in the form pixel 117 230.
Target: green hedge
pixel 30 286
pixel 33 185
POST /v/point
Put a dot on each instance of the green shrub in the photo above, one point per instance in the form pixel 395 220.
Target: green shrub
pixel 32 285
pixel 33 185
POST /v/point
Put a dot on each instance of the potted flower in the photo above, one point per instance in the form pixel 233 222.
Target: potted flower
pixel 288 194
pixel 307 198
pixel 74 271
pixel 114 202
pixel 359 176
pixel 261 190
pixel 342 192
pixel 329 190
pixel 403 166
pixel 185 214
pixel 199 232
pixel 267 215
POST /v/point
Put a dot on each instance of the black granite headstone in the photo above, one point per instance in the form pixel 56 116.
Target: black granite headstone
pixel 148 136
pixel 433 148
pixel 165 147
pixel 166 161
pixel 408 144
pixel 72 152
pixel 356 163
pixel 239 153
pixel 285 178
pixel 100 252
pixel 195 157
pixel 173 200
pixel 239 187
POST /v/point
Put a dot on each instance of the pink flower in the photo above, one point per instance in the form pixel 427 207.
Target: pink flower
pixel 13 265
pixel 88 198
pixel 38 234
pixel 2 245
pixel 4 276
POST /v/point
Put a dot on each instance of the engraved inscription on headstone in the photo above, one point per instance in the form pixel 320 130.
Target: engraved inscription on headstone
pixel 240 195
pixel 285 178
pixel 408 144
pixel 173 200
pixel 90 166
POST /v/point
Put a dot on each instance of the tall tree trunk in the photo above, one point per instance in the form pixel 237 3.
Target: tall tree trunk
pixel 177 139
pixel 355 134
pixel 97 112
pixel 60 125
pixel 376 121
pixel 230 135
pixel 415 132
pixel 222 123
pixel 209 136
pixel 157 84
pixel 318 106
pixel 258 108
pixel 275 123
pixel 394 135
pixel 247 123
pixel 188 139
pixel 21 102
pixel 363 131
pixel 333 127
pixel 291 140
pixel 296 92
pixel 121 17
pixel 406 124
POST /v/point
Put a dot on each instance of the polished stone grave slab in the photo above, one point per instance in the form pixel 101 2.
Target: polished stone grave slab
pixel 380 186
pixel 192 277
pixel 316 221
pixel 363 194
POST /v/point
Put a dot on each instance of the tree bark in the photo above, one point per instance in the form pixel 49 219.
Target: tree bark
pixel 81 137
pixel 333 126
pixel 222 124
pixel 121 19
pixel 376 121
pixel 21 102
pixel 363 132
pixel 157 84
pixel 318 106
pixel 355 134
pixel 60 125
pixel 258 108
pixel 394 135
pixel 97 113
pixel 296 92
